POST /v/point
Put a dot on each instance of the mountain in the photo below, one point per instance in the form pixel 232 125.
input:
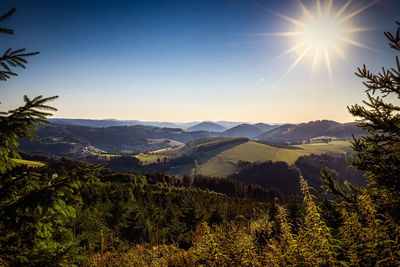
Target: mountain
pixel 228 124
pixel 312 129
pixel 72 140
pixel 243 130
pixel 207 126
pixel 114 122
pixel 111 122
pixel 265 127
pixel 90 123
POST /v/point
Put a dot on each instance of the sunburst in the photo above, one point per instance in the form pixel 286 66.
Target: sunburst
pixel 322 33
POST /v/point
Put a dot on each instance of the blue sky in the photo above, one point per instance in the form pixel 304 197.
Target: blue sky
pixel 186 60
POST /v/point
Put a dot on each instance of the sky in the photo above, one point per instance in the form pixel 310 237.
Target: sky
pixel 192 60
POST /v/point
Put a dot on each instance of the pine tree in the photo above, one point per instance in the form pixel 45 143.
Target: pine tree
pixel 35 207
pixel 369 227
pixel 378 153
pixel 19 122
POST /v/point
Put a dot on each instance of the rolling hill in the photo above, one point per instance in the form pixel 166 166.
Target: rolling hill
pixel 112 122
pixel 71 140
pixel 313 129
pixel 243 130
pixel 265 127
pixel 220 156
pixel 207 126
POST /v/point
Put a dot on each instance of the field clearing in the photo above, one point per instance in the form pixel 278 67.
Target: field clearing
pixel 331 147
pixel 218 167
pixel 28 162
pixel 150 158
pixel 223 164
pixel 107 155
pixel 291 155
pixel 172 152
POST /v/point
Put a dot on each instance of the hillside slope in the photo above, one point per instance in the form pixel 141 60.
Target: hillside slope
pixel 71 139
pixel 304 131
pixel 207 126
pixel 265 127
pixel 243 130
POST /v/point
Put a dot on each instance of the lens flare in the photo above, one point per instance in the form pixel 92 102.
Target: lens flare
pixel 322 33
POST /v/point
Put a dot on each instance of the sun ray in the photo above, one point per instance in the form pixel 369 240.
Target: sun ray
pixel 329 8
pixel 328 66
pixel 342 56
pixel 352 30
pixel 283 34
pixel 305 10
pixel 355 43
pixel 327 61
pixel 319 33
pixel 319 9
pixel 337 50
pixel 297 61
pixel 292 20
pixel 315 60
pixel 290 50
pixel 340 12
pixel 358 11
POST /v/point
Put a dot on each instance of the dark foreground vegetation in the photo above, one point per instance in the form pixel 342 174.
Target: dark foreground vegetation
pixel 72 213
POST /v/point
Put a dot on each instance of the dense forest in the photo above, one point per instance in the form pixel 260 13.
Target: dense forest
pixel 71 212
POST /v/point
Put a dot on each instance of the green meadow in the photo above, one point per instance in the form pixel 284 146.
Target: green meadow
pixel 222 160
pixel 28 162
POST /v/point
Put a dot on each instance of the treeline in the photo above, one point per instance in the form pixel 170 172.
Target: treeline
pixel 273 175
pixel 280 176
pixel 98 209
pixel 262 177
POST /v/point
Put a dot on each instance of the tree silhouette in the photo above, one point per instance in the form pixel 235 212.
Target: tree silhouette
pixel 35 210
pixel 378 153
pixel 20 122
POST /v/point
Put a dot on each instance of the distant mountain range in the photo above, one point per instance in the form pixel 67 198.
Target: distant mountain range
pixel 113 122
pixel 207 126
pixel 243 130
pixel 265 127
pixel 304 131
pixel 68 140
pixel 107 135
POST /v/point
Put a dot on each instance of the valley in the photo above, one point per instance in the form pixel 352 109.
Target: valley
pixel 222 161
pixel 193 151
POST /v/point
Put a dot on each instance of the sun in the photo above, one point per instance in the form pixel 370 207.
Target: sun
pixel 322 33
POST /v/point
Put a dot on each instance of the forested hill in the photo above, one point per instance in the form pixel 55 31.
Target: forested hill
pixel 207 126
pixel 111 122
pixel 70 139
pixel 304 131
pixel 243 130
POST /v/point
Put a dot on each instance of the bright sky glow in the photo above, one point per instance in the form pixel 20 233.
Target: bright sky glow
pixel 321 32
pixel 196 60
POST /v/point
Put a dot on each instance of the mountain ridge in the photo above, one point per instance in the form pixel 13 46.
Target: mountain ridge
pixel 207 126
pixel 312 129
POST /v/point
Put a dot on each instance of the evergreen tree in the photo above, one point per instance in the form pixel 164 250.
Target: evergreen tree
pixel 35 208
pixel 378 153
pixel 19 122
pixel 369 227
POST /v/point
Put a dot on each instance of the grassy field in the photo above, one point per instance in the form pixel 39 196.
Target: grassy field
pixel 151 158
pixel 222 161
pixel 28 162
pixel 331 147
